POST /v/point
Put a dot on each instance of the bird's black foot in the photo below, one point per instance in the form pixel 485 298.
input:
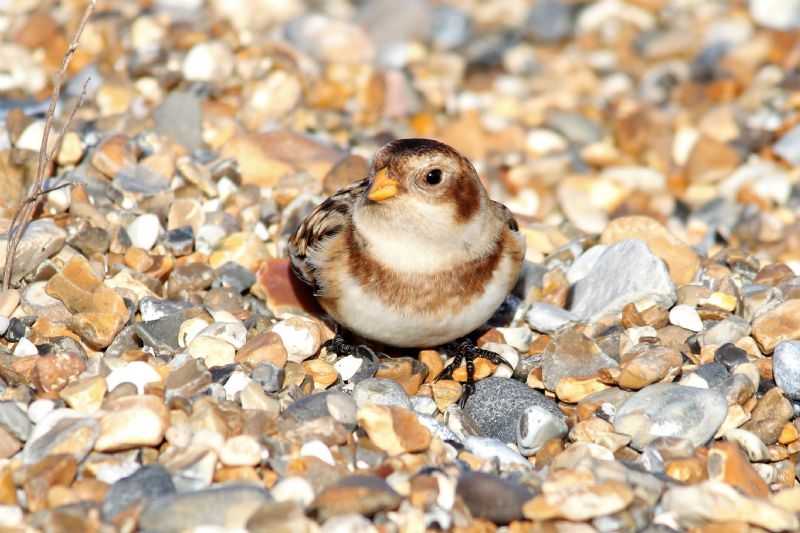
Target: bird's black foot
pixel 465 350
pixel 342 348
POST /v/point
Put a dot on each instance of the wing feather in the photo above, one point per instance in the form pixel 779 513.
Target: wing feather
pixel 327 220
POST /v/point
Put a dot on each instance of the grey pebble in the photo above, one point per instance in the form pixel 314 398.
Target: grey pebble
pixel 625 272
pixel 380 391
pixel 228 506
pixel 148 482
pixel 671 410
pixel 786 368
pixel 497 404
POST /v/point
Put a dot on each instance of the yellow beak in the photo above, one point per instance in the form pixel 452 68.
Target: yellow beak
pixel 382 187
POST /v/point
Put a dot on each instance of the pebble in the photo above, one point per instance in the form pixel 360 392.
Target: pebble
pixel 776 325
pixel 786 368
pixel 498 403
pixel 686 317
pixel 572 354
pixel 671 410
pixel 132 421
pixel 769 415
pixel 491 497
pixel 547 318
pixel 147 483
pixel 648 367
pixel 393 429
pixel 715 501
pixel 208 61
pixel 61 431
pixel 302 338
pixel 488 448
pixel 227 507
pixel 41 240
pixel 137 372
pixel 14 420
pixel 617 279
pixel 362 494
pixel 380 391
pixel 584 503
pixel 264 348
pixel 682 262
pixel 537 426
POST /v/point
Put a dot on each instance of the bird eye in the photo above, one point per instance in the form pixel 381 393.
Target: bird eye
pixel 434 176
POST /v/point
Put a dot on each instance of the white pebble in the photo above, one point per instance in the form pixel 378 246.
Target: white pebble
pixel 25 347
pixel 233 333
pixel 144 231
pixel 317 448
pixel 300 341
pixel 519 338
pixel 506 352
pixel 348 366
pixel 293 489
pixel 686 316
pixel 10 515
pixel 39 408
pixel 137 372
pixel 236 383
pixel 208 61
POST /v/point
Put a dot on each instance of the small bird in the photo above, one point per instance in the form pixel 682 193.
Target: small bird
pixel 414 255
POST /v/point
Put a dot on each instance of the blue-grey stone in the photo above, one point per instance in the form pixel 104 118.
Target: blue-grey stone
pixel 155 308
pixel 549 21
pixel 14 420
pixel 335 404
pixel 730 355
pixel 712 373
pixel 269 376
pixel 180 117
pixel 452 27
pixel 786 368
pixel 497 403
pixel 152 481
pixel 234 276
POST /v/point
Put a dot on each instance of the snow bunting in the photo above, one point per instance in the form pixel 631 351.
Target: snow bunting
pixel 414 255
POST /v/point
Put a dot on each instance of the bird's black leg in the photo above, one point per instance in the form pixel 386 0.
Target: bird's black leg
pixel 342 348
pixel 465 350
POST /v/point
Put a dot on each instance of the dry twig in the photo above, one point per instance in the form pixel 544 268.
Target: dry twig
pixel 28 207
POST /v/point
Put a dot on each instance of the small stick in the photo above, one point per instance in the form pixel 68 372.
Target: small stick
pixel 28 207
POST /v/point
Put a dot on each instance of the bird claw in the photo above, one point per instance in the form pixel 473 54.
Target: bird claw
pixel 342 348
pixel 466 351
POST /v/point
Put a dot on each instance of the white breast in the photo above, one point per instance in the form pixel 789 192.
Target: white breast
pixel 372 319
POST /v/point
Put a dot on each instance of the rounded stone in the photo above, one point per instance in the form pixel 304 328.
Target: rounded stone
pixel 786 368
pixel 671 410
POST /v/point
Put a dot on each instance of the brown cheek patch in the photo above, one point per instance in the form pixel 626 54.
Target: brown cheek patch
pixel 468 199
pixel 439 294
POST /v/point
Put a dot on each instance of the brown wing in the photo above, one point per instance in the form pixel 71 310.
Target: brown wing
pixel 327 220
pixel 511 222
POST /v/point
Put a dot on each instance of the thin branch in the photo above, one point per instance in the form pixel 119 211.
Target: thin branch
pixel 28 207
pixel 71 116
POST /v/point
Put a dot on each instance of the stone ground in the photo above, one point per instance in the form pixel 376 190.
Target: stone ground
pixel 161 371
